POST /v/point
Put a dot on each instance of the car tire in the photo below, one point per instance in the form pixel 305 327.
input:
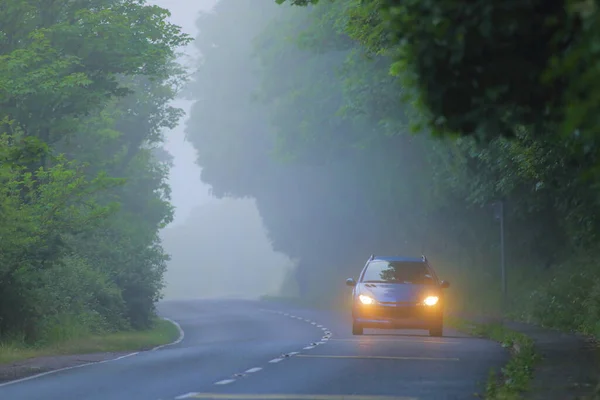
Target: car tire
pixel 356 328
pixel 437 331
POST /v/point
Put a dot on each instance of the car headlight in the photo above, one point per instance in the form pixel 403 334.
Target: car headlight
pixel 431 300
pixel 366 299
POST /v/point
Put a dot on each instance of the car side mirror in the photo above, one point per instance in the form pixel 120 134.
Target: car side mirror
pixel 444 284
pixel 350 282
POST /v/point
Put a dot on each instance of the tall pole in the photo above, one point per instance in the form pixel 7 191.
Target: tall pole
pixel 499 215
pixel 502 260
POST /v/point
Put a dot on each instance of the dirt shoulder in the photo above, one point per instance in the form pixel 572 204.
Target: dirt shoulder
pixel 567 368
pixel 38 365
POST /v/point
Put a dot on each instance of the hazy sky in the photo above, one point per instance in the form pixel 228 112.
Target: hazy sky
pixel 188 191
pixel 200 266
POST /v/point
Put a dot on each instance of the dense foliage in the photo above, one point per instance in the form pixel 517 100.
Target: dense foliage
pixel 483 67
pixel 84 94
pixel 313 111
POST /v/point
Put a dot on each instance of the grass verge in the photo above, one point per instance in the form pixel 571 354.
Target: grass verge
pixel 514 379
pixel 163 332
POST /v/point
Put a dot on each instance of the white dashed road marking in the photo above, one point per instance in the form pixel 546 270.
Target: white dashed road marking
pixel 187 395
pixel 327 334
pixel 225 382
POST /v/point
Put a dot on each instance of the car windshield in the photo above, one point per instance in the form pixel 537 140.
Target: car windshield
pixel 380 271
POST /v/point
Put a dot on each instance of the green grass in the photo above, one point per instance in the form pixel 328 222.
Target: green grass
pixel 163 332
pixel 513 381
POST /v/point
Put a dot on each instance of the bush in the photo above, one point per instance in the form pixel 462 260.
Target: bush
pixel 570 299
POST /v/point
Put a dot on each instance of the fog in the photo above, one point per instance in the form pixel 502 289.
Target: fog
pixel 289 113
pixel 218 247
pixel 221 250
pixel 293 112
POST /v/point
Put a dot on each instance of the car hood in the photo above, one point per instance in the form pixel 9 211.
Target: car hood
pixel 397 292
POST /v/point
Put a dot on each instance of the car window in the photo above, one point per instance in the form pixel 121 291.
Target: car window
pixel 398 272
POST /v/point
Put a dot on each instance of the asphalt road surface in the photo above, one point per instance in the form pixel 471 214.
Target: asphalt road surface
pixel 252 350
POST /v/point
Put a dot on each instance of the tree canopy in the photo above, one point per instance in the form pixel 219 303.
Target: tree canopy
pixel 482 68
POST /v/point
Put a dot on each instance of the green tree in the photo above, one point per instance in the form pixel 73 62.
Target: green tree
pixel 480 69
pixel 84 93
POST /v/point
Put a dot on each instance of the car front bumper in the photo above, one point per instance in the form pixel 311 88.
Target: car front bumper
pixel 397 316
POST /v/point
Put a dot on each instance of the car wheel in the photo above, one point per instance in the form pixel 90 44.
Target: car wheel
pixel 356 328
pixel 437 331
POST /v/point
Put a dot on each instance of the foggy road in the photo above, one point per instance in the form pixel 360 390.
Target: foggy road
pixel 255 350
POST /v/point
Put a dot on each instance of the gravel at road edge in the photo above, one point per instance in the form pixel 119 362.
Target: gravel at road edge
pixel 38 365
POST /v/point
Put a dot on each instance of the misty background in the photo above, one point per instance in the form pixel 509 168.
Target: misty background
pixel 218 247
pixel 310 154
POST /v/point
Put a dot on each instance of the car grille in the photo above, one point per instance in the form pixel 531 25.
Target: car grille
pixel 395 311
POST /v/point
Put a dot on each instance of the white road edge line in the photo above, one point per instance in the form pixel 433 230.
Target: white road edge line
pixel 225 382
pixel 28 378
pixel 252 370
pixel 177 341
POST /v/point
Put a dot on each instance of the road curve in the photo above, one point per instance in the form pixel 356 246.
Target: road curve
pixel 237 349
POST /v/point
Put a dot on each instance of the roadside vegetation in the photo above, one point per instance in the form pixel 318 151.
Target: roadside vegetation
pixel 84 96
pixel 513 381
pixel 160 333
